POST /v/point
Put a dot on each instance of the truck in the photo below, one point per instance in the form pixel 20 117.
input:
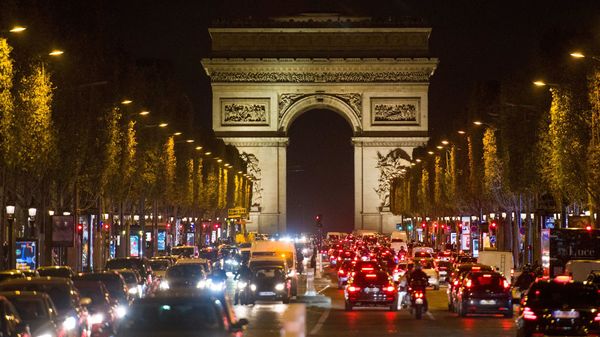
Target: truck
pixel 501 261
pixel 269 249
pixel 398 241
pixel 579 270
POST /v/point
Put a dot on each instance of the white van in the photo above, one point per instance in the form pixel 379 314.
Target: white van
pixel 398 241
pixel 269 249
pixel 580 269
pixel 499 260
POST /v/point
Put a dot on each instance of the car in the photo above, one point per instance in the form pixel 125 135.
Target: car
pixel 11 324
pixel 132 281
pixel 344 272
pixel 206 264
pixel 102 309
pixel 269 282
pixel 139 264
pixel 10 274
pixel 371 288
pixel 30 273
pixel 159 266
pixel 429 268
pixel 56 271
pixel 37 311
pixel 444 268
pixel 71 311
pixel 484 292
pixel 191 314
pixel 190 252
pixel 184 275
pixel 114 283
pixel 594 278
pixel 558 306
pixel 456 277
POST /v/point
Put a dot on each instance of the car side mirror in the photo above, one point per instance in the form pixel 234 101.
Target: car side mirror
pixel 85 301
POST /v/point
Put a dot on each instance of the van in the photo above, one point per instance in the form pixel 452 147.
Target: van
pixel 580 269
pixel 270 249
pixel 335 236
pixel 499 260
pixel 398 241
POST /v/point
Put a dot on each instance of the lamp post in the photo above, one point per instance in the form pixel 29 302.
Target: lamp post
pixel 10 216
pixel 31 231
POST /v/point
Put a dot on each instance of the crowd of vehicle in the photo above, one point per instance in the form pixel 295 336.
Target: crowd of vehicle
pixel 373 271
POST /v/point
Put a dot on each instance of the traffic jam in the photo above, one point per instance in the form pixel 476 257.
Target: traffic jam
pixel 199 288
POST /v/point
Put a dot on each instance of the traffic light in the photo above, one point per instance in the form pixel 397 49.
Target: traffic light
pixel 588 228
pixel 318 220
pixel 493 225
pixel 106 227
pixel 79 228
pixel 424 224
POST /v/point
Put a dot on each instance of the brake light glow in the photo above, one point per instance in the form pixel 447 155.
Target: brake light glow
pixel 487 275
pixel 475 268
pixel 371 275
pixel 597 318
pixel 339 258
pixel 455 282
pixel 341 271
pixel 506 284
pixel 562 279
pixel 528 314
pixel 353 289
pixel 367 269
pixel 469 284
pixel 390 289
pixel 418 294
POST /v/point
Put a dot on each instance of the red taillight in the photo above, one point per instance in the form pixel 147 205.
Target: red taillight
pixel 418 294
pixel 597 318
pixel 506 284
pixel 529 315
pixel 341 271
pixel 366 269
pixel 390 289
pixel 371 275
pixel 469 284
pixel 455 282
pixel 339 258
pixel 353 289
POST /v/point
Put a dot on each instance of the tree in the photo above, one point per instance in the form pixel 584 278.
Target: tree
pixel 493 167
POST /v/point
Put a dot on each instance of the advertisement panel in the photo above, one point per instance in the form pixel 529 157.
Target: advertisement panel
pixel 63 231
pixel 26 254
pixel 162 240
pixel 134 245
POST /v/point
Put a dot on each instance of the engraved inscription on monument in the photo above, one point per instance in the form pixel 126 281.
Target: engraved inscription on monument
pixel 244 111
pixel 395 110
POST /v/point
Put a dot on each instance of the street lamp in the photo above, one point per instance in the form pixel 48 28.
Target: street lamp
pixel 144 113
pixel 163 125
pixel 177 133
pixel 17 29
pixel 461 132
pixel 10 212
pixel 580 55
pixel 56 52
pixel 50 212
pixel 126 101
pixel 198 148
pixel 31 232
pixel 478 123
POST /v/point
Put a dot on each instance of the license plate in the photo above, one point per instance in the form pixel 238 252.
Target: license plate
pixel 266 293
pixel 565 314
pixel 487 302
pixel 371 290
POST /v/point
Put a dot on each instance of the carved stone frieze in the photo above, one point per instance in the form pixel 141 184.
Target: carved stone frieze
pixel 354 100
pixel 321 77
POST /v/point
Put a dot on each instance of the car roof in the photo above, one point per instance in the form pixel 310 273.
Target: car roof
pixel 53 267
pixel 21 293
pixel 10 272
pixel 39 280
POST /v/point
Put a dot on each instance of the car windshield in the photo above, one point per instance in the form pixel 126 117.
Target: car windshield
pixel 558 294
pixel 197 316
pixel 159 265
pixel 191 270
pixel 183 251
pixel 269 273
pixel 490 281
pixel 59 293
pixel 95 294
pixel 55 272
pixel 255 265
pixel 129 277
pixel 112 282
pixel 377 278
pixel 29 308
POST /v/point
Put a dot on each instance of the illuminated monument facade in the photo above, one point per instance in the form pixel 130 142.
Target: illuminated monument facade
pixel 375 74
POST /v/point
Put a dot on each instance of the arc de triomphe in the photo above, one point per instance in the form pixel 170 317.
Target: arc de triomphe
pixel 375 75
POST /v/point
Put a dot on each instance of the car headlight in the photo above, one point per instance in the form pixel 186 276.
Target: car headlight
pixel 97 318
pixel 217 286
pixel 164 285
pixel 133 291
pixel 253 287
pixel 201 284
pixel 232 262
pixel 70 323
pixel 121 311
pixel 279 286
pixel 304 251
pixel 242 285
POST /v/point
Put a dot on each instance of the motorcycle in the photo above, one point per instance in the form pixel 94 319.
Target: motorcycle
pixel 418 300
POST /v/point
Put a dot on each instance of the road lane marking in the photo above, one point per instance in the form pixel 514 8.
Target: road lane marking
pixel 320 322
pixel 322 290
pixel 430 315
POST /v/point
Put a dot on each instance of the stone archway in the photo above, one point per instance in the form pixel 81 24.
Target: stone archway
pixel 264 78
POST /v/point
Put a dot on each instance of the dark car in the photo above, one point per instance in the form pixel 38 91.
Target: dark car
pixel 10 274
pixel 138 264
pixel 371 288
pixel 37 311
pixel 456 277
pixel 102 309
pixel 484 293
pixel 185 275
pixel 269 282
pixel 444 269
pixel 132 281
pixel 11 324
pixel 56 271
pixel 115 285
pixel 559 307
pixel 191 314
pixel 71 310
pixel 344 271
pixel 30 273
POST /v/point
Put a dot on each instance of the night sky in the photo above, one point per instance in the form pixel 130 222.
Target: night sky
pixel 476 41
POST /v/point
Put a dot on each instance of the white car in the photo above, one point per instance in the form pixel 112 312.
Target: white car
pixel 428 268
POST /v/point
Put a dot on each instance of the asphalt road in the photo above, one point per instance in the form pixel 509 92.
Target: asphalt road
pixel 275 319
